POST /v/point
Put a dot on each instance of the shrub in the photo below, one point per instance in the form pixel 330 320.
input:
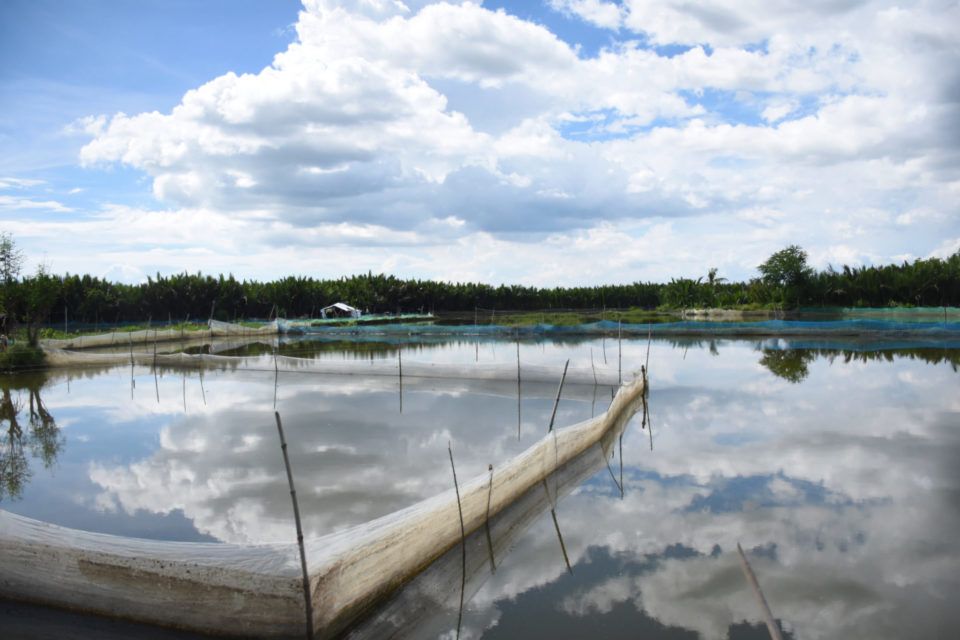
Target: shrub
pixel 19 356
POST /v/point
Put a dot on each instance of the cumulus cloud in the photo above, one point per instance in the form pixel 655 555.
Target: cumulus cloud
pixel 771 123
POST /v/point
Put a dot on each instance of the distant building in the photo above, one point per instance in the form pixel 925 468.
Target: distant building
pixel 339 310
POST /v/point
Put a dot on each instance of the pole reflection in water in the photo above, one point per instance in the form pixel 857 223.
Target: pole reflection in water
pixel 432 603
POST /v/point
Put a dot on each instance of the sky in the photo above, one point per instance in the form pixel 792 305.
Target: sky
pixel 543 143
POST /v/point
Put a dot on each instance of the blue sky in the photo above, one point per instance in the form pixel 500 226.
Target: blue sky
pixel 565 142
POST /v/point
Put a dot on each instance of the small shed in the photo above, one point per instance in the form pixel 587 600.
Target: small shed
pixel 339 310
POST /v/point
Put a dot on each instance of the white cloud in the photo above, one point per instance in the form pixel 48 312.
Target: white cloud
pixel 608 15
pixel 18 183
pixel 780 123
pixel 949 247
pixel 11 203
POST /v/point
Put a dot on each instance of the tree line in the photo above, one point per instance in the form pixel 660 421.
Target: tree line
pixel 784 281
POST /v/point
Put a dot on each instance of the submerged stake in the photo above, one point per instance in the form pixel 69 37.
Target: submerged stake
pixel 486 524
pixel 559 391
pixel 619 351
pixel 649 337
pixel 463 541
pixel 296 517
pixel 755 586
pixel 556 524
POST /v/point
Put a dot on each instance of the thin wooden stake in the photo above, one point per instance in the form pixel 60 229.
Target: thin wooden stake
pixel 563 547
pixel 486 524
pixel 649 338
pixel 649 420
pixel 619 352
pixel 621 465
pixel 518 384
pixel 556 524
pixel 758 594
pixel 463 541
pixel 296 516
pixel 518 354
pixel 614 478
pixel 276 379
pixel 559 391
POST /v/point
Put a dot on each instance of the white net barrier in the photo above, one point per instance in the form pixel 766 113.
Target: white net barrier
pixel 582 375
pixel 256 590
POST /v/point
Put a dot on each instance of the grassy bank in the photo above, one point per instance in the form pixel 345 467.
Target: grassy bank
pixel 20 357
pixel 50 333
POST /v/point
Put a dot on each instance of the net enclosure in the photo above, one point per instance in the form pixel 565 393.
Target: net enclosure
pixel 256 590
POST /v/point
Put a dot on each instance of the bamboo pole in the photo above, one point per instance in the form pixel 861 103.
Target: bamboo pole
pixel 518 384
pixel 463 541
pixel 556 525
pixel 296 516
pixel 559 391
pixel 758 594
pixel 486 524
pixel 649 338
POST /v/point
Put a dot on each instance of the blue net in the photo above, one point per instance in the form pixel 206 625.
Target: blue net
pixel 856 327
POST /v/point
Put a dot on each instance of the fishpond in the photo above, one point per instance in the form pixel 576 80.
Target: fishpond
pixel 834 466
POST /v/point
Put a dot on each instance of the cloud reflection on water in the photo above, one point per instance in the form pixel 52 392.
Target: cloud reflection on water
pixel 842 485
pixel 846 485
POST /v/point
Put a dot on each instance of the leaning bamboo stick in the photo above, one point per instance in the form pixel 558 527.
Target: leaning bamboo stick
pixel 758 594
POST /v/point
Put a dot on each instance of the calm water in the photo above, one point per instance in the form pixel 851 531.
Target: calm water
pixel 837 471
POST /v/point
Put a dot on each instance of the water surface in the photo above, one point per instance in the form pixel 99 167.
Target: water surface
pixel 834 468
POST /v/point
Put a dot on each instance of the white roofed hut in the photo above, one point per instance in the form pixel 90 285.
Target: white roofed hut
pixel 339 310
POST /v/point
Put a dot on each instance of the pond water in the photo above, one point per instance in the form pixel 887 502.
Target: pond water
pixel 834 468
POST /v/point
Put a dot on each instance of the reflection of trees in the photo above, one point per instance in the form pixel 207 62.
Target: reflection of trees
pixel 14 470
pixel 930 355
pixel 43 439
pixel 789 364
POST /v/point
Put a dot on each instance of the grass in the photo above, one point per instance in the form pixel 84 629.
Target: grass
pixel 20 357
pixel 58 334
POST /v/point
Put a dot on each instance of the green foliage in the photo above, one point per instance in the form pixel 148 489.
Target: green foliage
pixel 11 259
pixel 789 364
pixel 785 280
pixel 40 294
pixel 786 271
pixel 40 436
pixel 20 356
pixel 786 268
